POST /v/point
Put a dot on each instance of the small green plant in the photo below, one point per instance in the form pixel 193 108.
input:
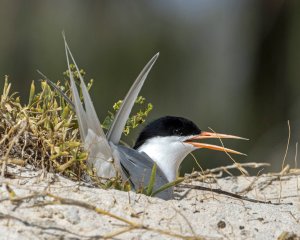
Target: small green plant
pixel 149 188
pixel 134 120
pixel 49 139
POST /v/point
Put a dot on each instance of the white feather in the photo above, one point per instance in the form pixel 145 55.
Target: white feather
pixel 168 153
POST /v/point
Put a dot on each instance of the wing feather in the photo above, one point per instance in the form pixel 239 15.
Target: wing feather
pixel 115 132
pixel 100 154
pixel 137 168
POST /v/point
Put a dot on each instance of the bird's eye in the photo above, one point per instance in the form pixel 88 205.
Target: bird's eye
pixel 177 132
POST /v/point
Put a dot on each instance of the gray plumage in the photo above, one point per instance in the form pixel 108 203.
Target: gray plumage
pixel 115 132
pixel 137 166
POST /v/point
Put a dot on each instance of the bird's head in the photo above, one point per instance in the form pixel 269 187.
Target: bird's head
pixel 168 140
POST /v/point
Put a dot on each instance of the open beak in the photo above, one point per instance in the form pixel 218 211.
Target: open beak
pixel 208 135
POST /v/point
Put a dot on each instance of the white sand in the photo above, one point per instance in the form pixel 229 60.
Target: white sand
pixel 198 213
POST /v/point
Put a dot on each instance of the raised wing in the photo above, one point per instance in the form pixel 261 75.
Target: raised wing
pixel 135 166
pixel 100 154
pixel 115 132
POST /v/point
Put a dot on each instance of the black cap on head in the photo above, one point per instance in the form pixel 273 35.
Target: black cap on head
pixel 167 126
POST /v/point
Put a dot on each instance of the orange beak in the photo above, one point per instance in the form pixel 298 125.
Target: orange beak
pixel 208 135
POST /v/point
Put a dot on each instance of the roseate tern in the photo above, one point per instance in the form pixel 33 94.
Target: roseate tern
pixel 164 142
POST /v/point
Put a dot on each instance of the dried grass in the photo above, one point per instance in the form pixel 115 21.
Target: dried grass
pixel 42 133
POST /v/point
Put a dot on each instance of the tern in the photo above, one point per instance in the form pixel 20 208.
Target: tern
pixel 164 142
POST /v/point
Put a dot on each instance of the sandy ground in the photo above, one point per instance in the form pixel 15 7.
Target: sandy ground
pixel 195 214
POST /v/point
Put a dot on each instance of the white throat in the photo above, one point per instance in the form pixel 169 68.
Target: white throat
pixel 167 153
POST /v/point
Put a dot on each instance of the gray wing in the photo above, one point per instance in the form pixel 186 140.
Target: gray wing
pixel 115 132
pixel 100 154
pixel 137 168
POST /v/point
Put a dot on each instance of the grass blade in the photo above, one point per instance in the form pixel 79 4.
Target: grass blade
pixel 151 181
pixel 168 185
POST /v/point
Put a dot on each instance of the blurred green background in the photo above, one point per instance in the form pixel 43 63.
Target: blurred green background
pixel 229 65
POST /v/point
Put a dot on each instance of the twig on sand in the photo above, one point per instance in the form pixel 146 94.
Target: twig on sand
pixel 230 194
pixel 220 170
pixel 131 225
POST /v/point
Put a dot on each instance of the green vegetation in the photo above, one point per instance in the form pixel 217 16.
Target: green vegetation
pixel 135 120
